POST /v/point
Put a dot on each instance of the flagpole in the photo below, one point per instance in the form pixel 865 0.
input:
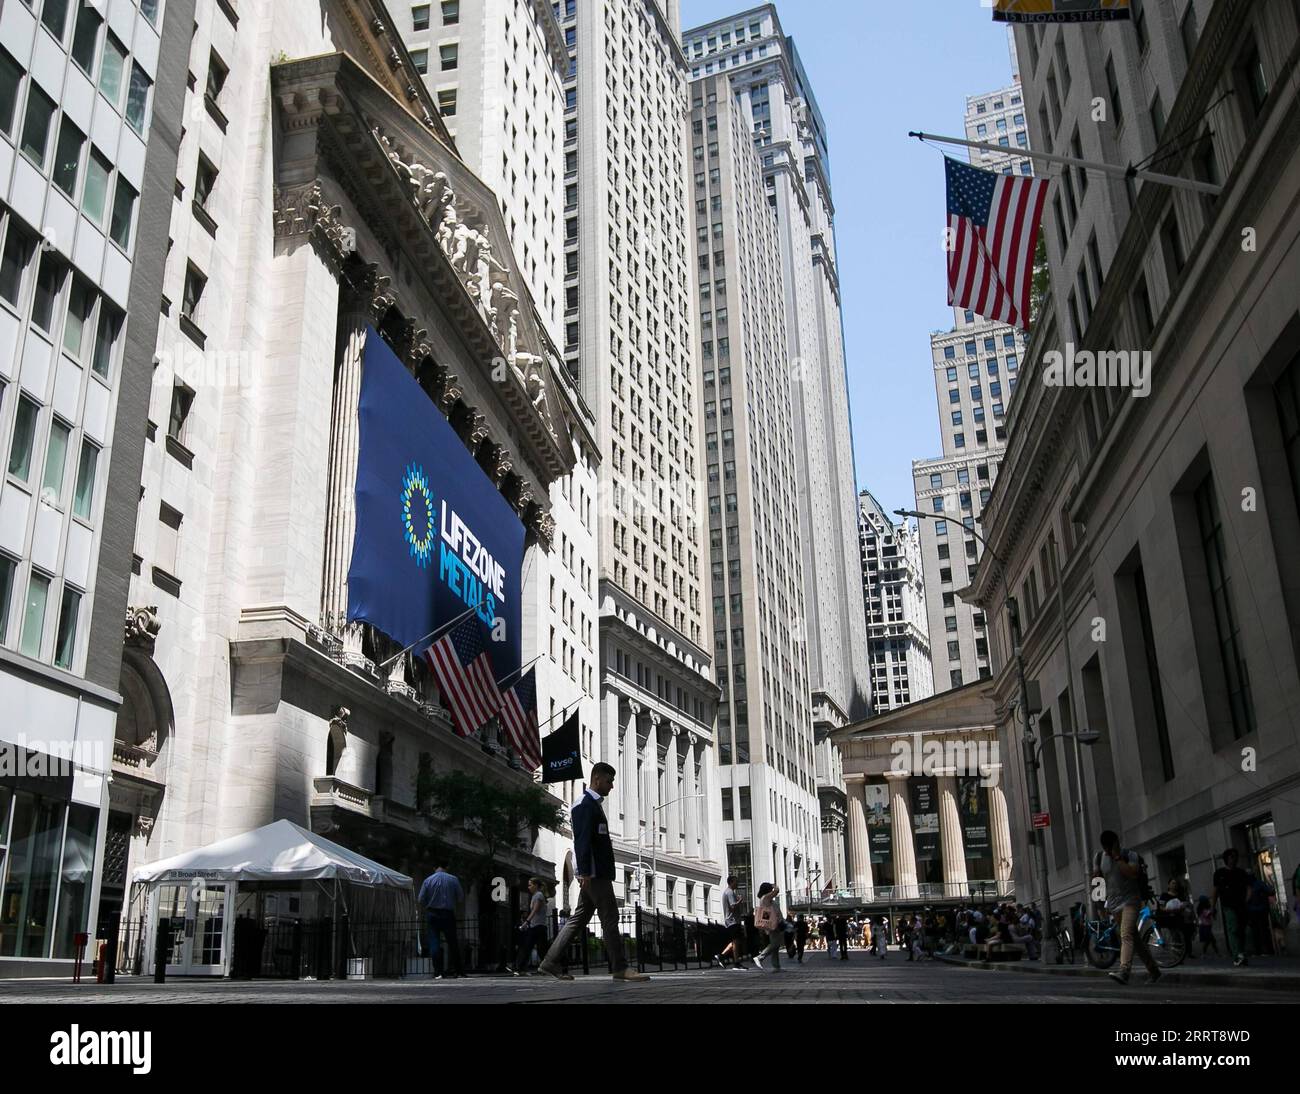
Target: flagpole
pixel 520 670
pixel 573 706
pixel 436 631
pixel 1069 161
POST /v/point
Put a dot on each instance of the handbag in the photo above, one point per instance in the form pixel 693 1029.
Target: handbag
pixel 766 918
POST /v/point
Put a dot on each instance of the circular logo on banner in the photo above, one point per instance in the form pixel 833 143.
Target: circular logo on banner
pixel 417 514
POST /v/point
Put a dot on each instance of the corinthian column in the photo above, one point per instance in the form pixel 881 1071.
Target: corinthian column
pixel 904 842
pixel 631 778
pixel 951 844
pixel 693 805
pixel 859 844
pixel 1001 834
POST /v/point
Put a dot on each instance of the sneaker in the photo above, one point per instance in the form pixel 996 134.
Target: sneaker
pixel 631 975
pixel 758 964
pixel 1120 977
pixel 1238 961
pixel 717 963
pixel 1153 975
pixel 554 972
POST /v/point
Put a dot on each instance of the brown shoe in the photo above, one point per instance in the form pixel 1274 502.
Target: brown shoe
pixel 631 974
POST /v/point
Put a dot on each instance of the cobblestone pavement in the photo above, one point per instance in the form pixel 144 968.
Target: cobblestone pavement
pixel 818 980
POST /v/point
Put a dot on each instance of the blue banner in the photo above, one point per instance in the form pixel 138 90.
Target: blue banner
pixel 434 537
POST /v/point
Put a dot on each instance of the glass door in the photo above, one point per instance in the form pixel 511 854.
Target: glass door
pixel 197 914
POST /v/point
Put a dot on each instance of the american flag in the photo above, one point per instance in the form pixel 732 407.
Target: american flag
pixel 519 716
pixel 993 231
pixel 462 662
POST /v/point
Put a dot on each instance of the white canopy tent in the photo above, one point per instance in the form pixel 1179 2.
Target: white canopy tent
pixel 282 852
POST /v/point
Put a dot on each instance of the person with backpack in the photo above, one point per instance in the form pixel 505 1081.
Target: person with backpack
pixel 1127 888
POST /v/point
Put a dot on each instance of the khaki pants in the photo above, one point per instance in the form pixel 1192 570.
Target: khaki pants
pixel 597 897
pixel 1129 940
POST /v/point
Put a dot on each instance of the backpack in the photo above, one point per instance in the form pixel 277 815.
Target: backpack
pixel 1144 875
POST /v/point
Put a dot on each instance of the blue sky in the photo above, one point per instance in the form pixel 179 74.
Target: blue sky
pixel 879 69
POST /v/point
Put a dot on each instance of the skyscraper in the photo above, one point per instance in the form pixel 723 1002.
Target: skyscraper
pixel 765 735
pixel 893 586
pixel 629 339
pixel 765 71
pixel 90 110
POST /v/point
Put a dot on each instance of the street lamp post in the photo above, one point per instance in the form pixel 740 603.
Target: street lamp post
pixel 1028 742
pixel 654 847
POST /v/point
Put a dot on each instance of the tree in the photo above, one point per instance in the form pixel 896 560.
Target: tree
pixel 1042 283
pixel 497 814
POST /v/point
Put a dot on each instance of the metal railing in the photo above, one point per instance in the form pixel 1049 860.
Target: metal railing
pixel 925 892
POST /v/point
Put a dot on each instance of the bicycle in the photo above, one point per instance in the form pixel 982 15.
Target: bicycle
pixel 1166 944
pixel 1060 935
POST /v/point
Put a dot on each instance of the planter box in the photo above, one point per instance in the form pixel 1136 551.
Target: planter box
pixel 358 968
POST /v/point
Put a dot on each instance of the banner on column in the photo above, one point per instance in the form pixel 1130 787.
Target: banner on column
pixel 973 807
pixel 925 819
pixel 879 831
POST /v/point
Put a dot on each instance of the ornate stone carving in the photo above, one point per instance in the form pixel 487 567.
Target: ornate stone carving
pixel 301 210
pixel 142 626
pixel 144 826
pixel 503 466
pixel 545 528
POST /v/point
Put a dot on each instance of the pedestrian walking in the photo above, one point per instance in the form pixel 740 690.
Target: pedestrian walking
pixel 767 919
pixel 1205 926
pixel 1258 901
pixel 532 929
pixel 880 938
pixel 731 906
pixel 1126 892
pixel 593 852
pixel 439 895
pixel 1231 891
pixel 800 937
pixel 842 936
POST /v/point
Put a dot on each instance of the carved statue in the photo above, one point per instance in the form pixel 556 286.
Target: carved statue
pixel 447 229
pixel 486 273
pixel 465 248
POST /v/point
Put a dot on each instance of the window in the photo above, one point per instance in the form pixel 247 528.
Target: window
pixel 1187 28
pixel 1252 84
pixel 112 69
pixel 167 547
pixel 205 178
pixel 65 638
pixel 10 79
pixel 7 570
pixel 1112 88
pixel 56 458
pixel 149 9
pixel 728 804
pixel 1287 395
pixel 54 15
pixel 119 228
pixel 217 75
pixel 936 480
pixel 420 17
pixel 1143 318
pixel 195 283
pixel 137 99
pixel 449 56
pixel 13 264
pixel 36 126
pixel 1139 17
pixel 106 331
pixel 746 809
pixel 83 499
pixel 1172 244
pixel 182 402
pixel 38 595
pixel 447 103
pixel 1152 668
pixel 1157 115
pixel 94 198
pixel 67 157
pixel 450 12
pixel 49 280
pixel 1236 676
pixel 420 61
pixel 81 306
pixel 20 451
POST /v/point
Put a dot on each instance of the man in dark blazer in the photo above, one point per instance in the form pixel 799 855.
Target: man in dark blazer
pixel 593 853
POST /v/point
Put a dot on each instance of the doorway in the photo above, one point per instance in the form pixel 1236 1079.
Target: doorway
pixel 197 915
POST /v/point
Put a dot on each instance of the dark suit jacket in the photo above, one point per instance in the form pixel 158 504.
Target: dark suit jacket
pixel 593 850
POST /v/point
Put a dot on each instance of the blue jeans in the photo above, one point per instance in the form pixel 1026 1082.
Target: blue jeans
pixel 436 924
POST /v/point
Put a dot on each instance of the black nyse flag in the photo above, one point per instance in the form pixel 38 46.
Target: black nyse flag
pixel 562 753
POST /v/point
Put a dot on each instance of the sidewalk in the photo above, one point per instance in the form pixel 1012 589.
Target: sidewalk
pixel 1263 973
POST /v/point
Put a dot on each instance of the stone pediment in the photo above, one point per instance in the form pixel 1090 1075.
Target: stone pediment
pixel 418 197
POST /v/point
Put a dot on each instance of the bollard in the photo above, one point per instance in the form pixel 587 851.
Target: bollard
pixel 79 941
pixel 162 947
pixel 110 955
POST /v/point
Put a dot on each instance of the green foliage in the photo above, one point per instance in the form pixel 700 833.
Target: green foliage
pixel 498 815
pixel 1041 287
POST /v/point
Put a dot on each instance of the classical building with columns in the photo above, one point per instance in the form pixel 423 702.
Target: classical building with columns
pixel 927 816
pixel 320 203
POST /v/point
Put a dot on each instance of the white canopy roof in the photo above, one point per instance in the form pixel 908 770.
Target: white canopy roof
pixel 280 851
